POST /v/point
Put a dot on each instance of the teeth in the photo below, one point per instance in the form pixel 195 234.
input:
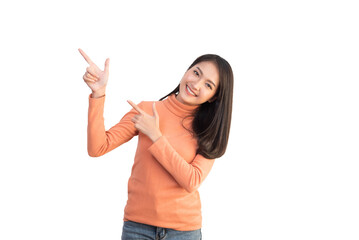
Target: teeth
pixel 189 90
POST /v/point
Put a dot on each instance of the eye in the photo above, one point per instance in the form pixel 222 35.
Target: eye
pixel 195 72
pixel 209 86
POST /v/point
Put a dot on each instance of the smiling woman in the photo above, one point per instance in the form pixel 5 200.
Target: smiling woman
pixel 173 156
pixel 197 87
pixel 212 89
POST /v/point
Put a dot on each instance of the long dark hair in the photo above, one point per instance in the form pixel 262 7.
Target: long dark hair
pixel 212 120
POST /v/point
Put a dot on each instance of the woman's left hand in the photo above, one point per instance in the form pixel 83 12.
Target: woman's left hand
pixel 147 124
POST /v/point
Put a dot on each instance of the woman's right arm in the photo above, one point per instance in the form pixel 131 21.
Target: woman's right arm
pixel 100 141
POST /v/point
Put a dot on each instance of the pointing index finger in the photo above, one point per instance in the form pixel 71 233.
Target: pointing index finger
pixel 88 60
pixel 139 110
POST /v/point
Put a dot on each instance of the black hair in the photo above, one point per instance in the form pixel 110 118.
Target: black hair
pixel 212 119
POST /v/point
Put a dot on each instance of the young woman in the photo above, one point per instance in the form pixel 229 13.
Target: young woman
pixel 179 137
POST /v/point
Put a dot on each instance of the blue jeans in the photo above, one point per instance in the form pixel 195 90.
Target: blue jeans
pixel 138 231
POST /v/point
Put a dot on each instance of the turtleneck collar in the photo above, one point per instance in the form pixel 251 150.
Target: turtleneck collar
pixel 178 108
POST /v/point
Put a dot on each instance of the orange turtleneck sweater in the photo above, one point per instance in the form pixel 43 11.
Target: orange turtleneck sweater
pixel 162 189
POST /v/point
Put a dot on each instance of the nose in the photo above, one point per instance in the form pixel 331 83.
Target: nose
pixel 197 84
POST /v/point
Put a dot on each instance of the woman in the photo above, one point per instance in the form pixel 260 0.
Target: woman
pixel 178 139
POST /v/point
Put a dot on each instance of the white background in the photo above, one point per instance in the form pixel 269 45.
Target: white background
pixel 291 168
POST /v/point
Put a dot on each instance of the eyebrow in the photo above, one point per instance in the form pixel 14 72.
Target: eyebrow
pixel 208 79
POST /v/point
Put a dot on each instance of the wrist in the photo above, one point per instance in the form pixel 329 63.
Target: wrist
pixel 156 136
pixel 98 94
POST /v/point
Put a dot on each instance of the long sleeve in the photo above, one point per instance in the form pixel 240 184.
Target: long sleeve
pixel 100 141
pixel 165 176
pixel 188 175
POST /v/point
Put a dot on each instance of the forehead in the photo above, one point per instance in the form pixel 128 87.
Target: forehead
pixel 210 71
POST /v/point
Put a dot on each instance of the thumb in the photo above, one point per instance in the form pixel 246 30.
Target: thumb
pixel 155 113
pixel 107 66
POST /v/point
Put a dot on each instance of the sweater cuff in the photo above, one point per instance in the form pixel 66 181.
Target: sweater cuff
pixel 100 99
pixel 157 146
pixel 163 151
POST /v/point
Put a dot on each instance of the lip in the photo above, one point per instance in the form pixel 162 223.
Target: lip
pixel 189 93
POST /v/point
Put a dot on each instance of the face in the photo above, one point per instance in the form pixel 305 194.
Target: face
pixel 199 84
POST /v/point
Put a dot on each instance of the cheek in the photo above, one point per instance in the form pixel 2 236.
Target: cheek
pixel 183 84
pixel 207 94
pixel 189 77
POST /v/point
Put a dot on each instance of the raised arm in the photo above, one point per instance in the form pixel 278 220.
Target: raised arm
pixel 100 141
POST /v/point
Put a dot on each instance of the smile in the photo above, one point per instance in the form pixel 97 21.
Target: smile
pixel 190 91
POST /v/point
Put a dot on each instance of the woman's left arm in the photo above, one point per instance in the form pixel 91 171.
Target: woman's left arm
pixel 188 175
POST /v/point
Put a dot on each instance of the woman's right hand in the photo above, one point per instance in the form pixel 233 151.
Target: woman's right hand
pixel 94 77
